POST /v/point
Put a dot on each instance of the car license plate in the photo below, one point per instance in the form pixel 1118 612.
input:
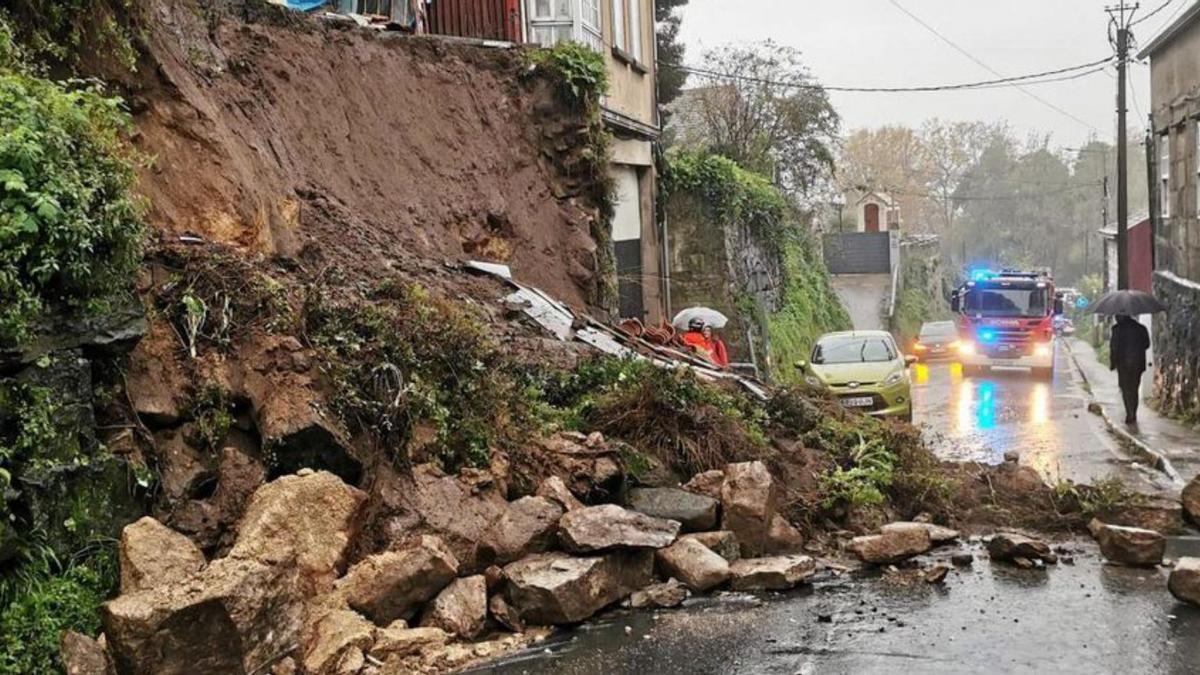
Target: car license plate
pixel 939 350
pixel 858 402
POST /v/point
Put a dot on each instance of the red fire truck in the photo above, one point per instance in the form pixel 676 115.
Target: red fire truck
pixel 1006 319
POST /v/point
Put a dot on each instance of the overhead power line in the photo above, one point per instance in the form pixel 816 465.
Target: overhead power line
pixel 988 68
pixel 1032 78
pixel 1153 12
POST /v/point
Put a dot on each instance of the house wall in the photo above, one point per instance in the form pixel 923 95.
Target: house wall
pixel 631 83
pixel 1175 85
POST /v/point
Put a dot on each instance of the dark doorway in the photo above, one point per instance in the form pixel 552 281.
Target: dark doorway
pixel 871 217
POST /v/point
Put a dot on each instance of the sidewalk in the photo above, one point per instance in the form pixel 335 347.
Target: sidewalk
pixel 1177 444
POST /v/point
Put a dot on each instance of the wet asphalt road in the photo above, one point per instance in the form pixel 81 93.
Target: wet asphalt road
pixel 1084 618
pixel 1047 424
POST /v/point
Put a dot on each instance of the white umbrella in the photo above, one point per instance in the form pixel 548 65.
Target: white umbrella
pixel 711 318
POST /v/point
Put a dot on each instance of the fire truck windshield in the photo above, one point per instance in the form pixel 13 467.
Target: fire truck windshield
pixel 1023 302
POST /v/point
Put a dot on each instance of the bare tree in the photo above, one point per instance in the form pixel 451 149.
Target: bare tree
pixel 763 109
pixel 950 150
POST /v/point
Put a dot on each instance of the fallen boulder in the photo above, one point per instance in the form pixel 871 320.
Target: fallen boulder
pixel 393 585
pixel 708 484
pixel 529 525
pixel 1191 501
pixel 665 595
pixel 695 513
pixel 1130 545
pixel 309 516
pixel 152 554
pixel 1184 582
pixel 592 470
pixel 504 614
pixel 81 655
pixel 460 609
pixel 900 542
pixel 721 542
pixel 937 534
pixel 233 617
pixel 605 527
pixel 694 564
pixel 295 429
pixel 555 588
pixel 399 641
pixel 1009 546
pixel 771 574
pixel 555 489
pixel 335 639
pixel 783 538
pixel 749 506
pixel 458 509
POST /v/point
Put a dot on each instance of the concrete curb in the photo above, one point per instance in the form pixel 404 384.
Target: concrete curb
pixel 1137 447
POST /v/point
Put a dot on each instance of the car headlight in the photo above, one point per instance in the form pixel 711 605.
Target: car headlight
pixel 966 348
pixel 1041 350
pixel 894 378
pixel 813 381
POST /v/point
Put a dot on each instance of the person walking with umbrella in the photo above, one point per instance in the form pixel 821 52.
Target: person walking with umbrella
pixel 1127 356
pixel 1129 342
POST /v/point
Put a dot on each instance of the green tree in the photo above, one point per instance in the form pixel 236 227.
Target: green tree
pixel 671 52
pixel 765 111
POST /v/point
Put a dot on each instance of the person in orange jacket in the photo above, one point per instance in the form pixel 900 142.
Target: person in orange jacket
pixel 716 347
pixel 695 340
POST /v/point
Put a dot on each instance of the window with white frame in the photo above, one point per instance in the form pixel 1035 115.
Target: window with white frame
pixel 635 29
pixel 555 21
pixel 1164 175
pixel 618 21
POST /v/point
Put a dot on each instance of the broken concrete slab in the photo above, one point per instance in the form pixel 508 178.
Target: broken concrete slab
pixel 608 526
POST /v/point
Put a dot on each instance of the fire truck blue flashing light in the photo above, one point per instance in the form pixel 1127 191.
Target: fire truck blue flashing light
pixel 981 275
pixel 1081 302
pixel 987 336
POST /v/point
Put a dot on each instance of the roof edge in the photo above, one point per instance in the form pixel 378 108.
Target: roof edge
pixel 1170 32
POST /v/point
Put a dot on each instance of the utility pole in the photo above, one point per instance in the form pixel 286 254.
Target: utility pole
pixel 1122 18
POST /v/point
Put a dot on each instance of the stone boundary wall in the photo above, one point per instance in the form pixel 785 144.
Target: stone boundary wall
pixel 1177 346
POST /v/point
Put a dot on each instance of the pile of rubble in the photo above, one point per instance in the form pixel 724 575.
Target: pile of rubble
pixel 289 598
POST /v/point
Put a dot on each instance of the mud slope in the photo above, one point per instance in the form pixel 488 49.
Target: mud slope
pixel 287 137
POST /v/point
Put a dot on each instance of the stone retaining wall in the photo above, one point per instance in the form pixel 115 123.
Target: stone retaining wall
pixel 1177 346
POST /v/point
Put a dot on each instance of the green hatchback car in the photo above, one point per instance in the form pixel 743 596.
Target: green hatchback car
pixel 865 370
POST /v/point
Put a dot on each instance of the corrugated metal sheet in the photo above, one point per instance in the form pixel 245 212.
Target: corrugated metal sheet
pixel 481 19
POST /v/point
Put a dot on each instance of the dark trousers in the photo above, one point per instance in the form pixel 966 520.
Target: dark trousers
pixel 1130 380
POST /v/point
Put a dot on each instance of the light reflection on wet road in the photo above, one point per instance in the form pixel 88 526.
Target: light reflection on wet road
pixel 981 418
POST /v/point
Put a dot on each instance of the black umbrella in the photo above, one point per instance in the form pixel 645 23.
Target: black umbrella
pixel 1128 303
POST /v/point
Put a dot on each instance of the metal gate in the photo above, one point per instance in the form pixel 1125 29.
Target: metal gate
pixel 481 19
pixel 858 253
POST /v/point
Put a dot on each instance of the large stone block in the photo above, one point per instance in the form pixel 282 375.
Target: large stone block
pixel 556 588
pixel 393 585
pixel 152 554
pixel 605 527
pixel 694 512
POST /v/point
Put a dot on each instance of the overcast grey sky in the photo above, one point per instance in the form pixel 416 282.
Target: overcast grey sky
pixel 873 43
